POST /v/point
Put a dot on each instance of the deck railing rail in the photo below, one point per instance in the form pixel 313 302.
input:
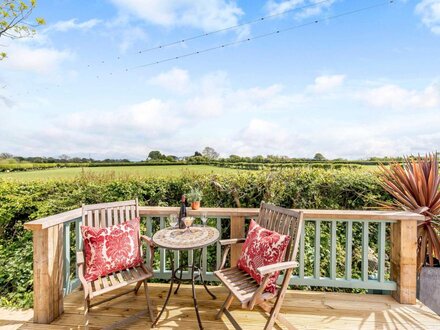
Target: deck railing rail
pixel 329 232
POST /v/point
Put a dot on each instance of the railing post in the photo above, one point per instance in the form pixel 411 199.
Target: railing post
pixel 237 231
pixel 48 274
pixel 404 260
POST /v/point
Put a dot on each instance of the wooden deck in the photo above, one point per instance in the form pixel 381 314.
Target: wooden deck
pixel 306 310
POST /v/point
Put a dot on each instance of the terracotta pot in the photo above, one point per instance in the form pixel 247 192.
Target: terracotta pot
pixel 195 205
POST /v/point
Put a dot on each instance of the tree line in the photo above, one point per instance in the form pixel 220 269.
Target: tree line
pixel 207 155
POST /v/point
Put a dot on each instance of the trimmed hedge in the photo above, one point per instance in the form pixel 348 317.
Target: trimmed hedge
pixel 297 187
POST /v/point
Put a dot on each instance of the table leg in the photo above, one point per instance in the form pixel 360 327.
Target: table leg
pixel 173 274
pixel 194 295
pixel 180 277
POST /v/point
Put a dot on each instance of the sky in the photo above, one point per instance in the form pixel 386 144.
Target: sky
pixel 350 86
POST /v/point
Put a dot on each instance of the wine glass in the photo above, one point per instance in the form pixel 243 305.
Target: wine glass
pixel 188 222
pixel 173 220
pixel 204 218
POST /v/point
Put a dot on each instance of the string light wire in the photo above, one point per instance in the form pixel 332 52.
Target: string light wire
pixel 257 20
pixel 264 35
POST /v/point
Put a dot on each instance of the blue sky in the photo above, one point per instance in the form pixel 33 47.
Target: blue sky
pixel 357 86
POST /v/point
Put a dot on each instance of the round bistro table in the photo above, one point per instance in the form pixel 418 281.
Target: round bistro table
pixel 185 240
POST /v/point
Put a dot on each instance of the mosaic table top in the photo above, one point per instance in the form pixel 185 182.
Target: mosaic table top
pixel 181 239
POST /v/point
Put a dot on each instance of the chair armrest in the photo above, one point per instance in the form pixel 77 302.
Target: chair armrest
pixel 231 241
pixel 147 240
pixel 80 264
pixel 79 258
pixel 152 246
pixel 264 270
pixel 227 243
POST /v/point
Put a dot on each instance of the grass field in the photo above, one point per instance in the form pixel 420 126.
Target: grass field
pixel 118 171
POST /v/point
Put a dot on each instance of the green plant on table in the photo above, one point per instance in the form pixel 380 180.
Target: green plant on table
pixel 415 186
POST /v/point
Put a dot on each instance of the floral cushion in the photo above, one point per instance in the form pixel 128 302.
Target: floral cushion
pixel 262 247
pixel 111 249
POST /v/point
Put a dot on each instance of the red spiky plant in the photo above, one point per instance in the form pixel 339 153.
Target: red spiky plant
pixel 415 186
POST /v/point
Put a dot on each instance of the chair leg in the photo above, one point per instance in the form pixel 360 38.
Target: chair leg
pixel 225 306
pixel 86 313
pixel 136 288
pixel 280 318
pixel 150 307
pixel 279 301
pixel 274 312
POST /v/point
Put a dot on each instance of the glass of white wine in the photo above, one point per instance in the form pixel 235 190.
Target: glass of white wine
pixel 204 218
pixel 173 220
pixel 188 221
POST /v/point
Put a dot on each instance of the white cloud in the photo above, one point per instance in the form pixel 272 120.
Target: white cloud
pixel 205 106
pixel 306 8
pixel 151 118
pixel 124 131
pixel 41 60
pixel 129 37
pixel 73 24
pixel 339 138
pixel 207 15
pixel 163 124
pixel 263 133
pixel 324 84
pixel 209 98
pixel 396 97
pixel 429 11
pixel 253 119
pixel 176 80
pixel 213 96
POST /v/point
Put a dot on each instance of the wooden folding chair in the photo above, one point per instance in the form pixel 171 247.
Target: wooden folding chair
pixel 102 216
pixel 243 287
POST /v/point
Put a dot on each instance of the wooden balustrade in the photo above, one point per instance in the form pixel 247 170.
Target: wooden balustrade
pixel 52 265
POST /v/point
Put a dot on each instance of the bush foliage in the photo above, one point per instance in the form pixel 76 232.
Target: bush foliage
pixel 295 188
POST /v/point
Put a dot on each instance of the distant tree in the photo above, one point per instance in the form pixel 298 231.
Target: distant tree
pixel 155 155
pixel 319 156
pixel 171 158
pixel 197 154
pixel 197 159
pixel 210 153
pixel 13 20
pixel 64 157
pixel 6 155
pixel 277 159
pixel 234 158
pixel 258 159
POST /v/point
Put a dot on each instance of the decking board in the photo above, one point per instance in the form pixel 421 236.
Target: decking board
pixel 306 310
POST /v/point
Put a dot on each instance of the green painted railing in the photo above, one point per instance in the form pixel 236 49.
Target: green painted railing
pixel 373 251
pixel 341 249
pixel 376 278
pixel 70 278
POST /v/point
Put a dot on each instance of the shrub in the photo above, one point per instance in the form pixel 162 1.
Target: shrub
pixel 297 187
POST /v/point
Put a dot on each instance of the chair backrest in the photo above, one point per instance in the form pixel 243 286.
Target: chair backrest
pixel 109 214
pixel 282 221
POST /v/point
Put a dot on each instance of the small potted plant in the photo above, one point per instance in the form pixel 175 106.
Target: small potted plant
pixel 194 197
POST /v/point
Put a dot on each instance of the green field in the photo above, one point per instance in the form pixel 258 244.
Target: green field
pixel 117 171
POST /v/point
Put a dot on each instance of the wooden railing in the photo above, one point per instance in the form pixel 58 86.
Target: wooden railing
pixel 329 232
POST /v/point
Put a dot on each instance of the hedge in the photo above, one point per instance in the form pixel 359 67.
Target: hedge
pixel 297 188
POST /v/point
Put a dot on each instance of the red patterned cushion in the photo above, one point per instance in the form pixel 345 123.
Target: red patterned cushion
pixel 262 247
pixel 111 249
